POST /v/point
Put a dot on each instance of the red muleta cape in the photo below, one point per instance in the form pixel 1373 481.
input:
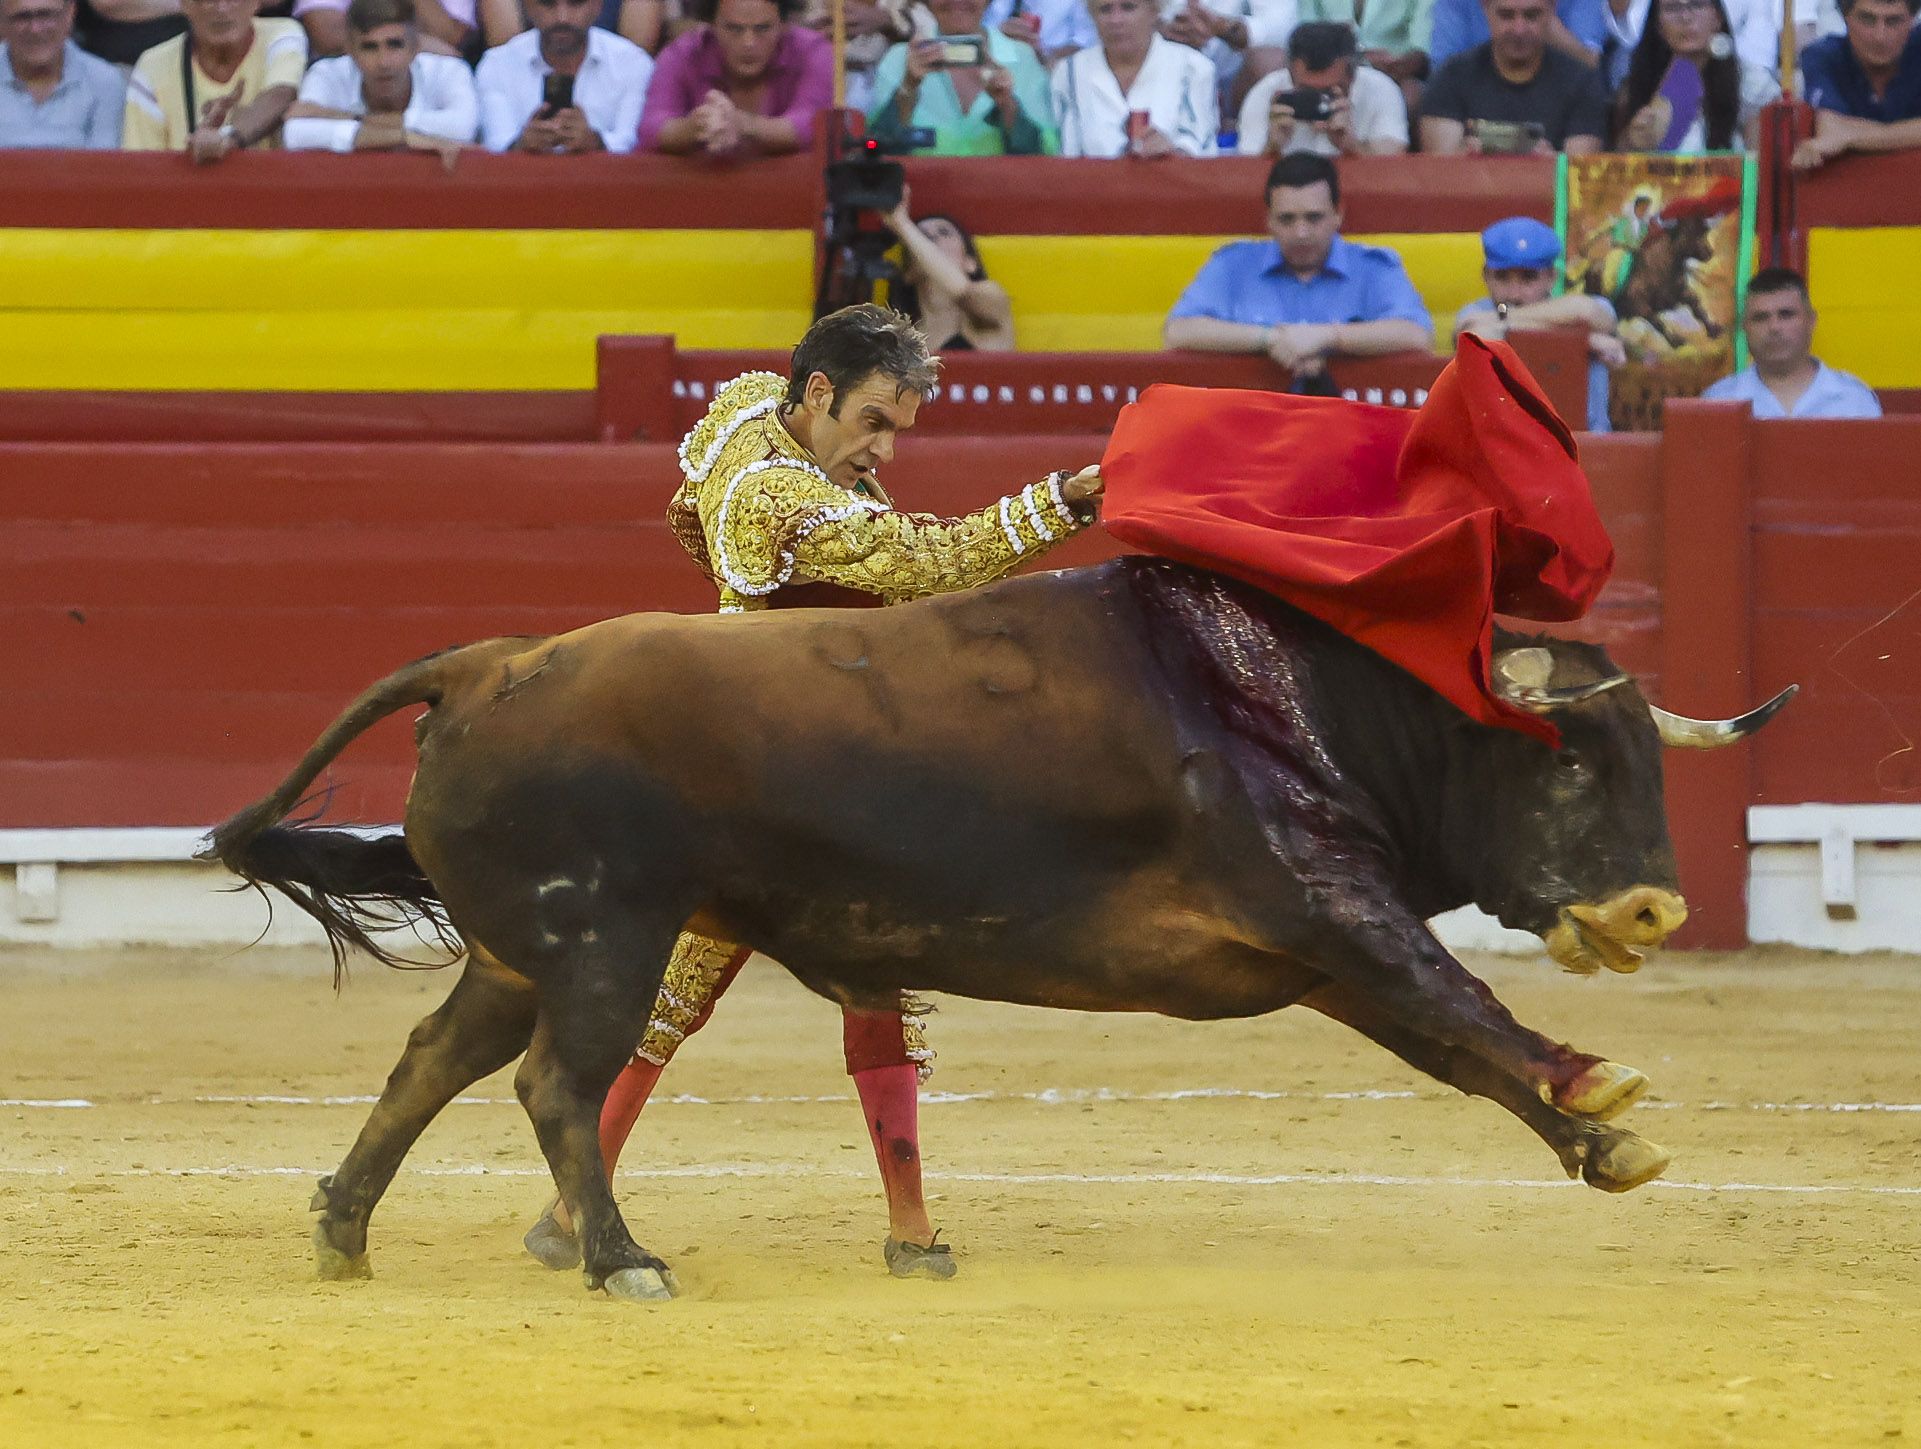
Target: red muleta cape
pixel 1405 530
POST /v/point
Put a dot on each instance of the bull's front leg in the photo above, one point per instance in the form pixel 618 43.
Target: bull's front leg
pixel 1390 958
pixel 1604 1156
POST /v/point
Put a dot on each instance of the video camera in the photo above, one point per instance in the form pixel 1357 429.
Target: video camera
pixel 865 180
pixel 862 184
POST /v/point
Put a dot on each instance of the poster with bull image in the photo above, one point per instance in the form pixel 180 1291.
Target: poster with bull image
pixel 1668 240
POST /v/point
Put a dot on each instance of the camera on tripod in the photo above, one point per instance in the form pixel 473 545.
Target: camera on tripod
pixel 865 180
pixel 862 184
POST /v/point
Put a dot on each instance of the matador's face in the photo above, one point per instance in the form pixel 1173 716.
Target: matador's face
pixel 850 442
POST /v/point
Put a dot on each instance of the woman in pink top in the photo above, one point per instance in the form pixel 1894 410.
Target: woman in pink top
pixel 747 80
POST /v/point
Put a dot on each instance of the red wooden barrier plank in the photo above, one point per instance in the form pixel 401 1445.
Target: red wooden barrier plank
pixel 1039 195
pixel 398 191
pixel 1706 658
pixel 303 417
pixel 463 565
pixel 184 792
pixel 1861 190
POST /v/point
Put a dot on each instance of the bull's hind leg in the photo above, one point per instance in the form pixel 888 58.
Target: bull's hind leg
pixel 1611 1158
pixel 590 1017
pixel 483 1025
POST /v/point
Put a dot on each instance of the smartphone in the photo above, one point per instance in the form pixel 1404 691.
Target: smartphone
pixel 1308 103
pixel 961 50
pixel 556 93
pixel 1685 93
pixel 1508 138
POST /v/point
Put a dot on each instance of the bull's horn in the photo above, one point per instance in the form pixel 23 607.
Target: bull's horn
pixel 1521 678
pixel 1710 734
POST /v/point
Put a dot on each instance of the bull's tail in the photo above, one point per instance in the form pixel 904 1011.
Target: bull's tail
pixel 352 884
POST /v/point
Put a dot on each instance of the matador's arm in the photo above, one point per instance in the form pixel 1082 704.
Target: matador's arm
pixel 787 520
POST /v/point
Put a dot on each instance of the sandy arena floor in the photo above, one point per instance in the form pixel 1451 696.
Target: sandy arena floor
pixel 1252 1233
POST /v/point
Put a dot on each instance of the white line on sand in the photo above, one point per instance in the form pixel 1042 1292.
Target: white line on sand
pixel 1098 1179
pixel 1049 1096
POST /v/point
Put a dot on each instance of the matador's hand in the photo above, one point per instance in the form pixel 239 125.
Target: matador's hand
pixel 1085 486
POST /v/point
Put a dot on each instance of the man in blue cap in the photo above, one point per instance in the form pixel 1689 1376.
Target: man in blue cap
pixel 1519 256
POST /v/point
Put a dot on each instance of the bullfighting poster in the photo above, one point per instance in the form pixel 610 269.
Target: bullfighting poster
pixel 1669 240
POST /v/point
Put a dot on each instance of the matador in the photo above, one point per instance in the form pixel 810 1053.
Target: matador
pixel 780 506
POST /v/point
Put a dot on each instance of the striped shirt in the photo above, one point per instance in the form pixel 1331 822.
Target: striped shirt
pixel 157 118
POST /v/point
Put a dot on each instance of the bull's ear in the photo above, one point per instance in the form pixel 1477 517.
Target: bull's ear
pixel 1523 677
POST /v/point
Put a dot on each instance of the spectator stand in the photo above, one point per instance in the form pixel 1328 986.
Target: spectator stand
pixel 386 273
pixel 1094 253
pixel 1853 228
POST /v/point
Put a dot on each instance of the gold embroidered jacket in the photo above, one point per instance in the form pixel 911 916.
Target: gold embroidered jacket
pixel 755 511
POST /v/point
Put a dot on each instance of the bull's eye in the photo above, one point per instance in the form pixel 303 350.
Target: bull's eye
pixel 1570 763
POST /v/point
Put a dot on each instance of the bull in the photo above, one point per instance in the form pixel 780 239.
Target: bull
pixel 1131 787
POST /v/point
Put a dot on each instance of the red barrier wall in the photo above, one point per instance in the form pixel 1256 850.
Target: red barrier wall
pixel 181 621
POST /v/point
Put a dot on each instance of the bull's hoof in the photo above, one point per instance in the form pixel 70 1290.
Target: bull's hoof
pixel 551 1244
pixel 335 1266
pixel 1604 1091
pixel 642 1285
pixel 1623 1161
pixel 911 1260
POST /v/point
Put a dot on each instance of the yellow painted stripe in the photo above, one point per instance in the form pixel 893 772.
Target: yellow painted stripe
pixel 340 271
pixel 1862 283
pixel 1112 293
pixel 391 351
pixel 379 310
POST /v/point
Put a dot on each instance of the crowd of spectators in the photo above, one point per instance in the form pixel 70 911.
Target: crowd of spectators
pixel 1303 81
pixel 1101 78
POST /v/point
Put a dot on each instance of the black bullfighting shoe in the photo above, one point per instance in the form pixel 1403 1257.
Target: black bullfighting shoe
pixel 911 1260
pixel 552 1244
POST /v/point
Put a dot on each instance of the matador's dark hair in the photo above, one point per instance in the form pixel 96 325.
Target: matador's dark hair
pixel 857 342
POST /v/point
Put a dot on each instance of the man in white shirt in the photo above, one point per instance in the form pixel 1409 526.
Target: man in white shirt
pixel 447 27
pixel 564 87
pixel 384 94
pixel 1135 94
pixel 1358 111
pixel 1786 379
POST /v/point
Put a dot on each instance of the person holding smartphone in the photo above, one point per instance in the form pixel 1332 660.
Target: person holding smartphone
pixel 1325 100
pixel 1687 88
pixel 979 91
pixel 1137 93
pixel 1515 94
pixel 563 88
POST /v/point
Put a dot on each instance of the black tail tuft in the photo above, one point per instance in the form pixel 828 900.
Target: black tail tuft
pixel 352 884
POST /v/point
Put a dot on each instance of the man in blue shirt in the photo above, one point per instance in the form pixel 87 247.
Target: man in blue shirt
pixel 1865 85
pixel 1520 254
pixel 1786 380
pixel 1307 295
pixel 52 93
pixel 1579 30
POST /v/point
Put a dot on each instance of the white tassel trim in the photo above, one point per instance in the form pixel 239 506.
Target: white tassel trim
pixel 1007 527
pixel 1034 513
pixel 696 473
pixel 718 544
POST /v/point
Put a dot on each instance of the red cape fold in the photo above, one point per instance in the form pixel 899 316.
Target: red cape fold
pixel 1405 530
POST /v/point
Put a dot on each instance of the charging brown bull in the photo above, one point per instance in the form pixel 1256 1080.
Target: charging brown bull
pixel 1134 787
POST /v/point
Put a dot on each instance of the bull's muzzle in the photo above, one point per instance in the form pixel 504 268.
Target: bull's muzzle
pixel 1608 933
